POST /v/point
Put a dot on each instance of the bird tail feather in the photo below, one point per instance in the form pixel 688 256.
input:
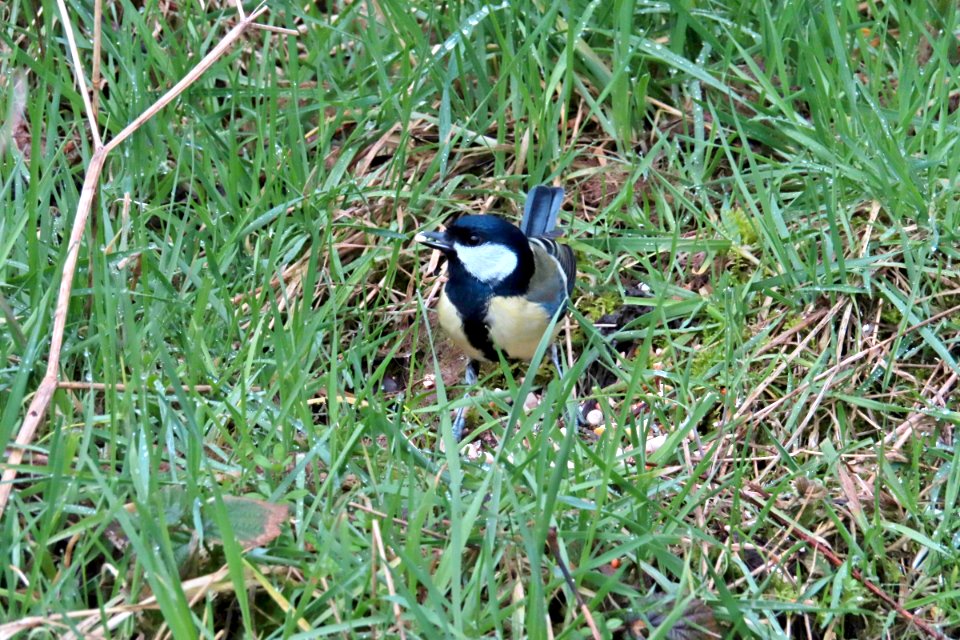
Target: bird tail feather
pixel 540 212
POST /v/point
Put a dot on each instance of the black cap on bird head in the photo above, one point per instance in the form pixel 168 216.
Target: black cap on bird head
pixel 473 231
pixel 486 247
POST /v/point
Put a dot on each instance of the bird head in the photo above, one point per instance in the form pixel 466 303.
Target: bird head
pixel 485 247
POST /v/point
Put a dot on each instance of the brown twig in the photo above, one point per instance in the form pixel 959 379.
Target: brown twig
pixel 72 385
pixel 798 350
pixel 859 355
pixel 41 400
pixel 554 544
pixel 97 42
pixel 898 436
pixel 785 337
pixel 834 559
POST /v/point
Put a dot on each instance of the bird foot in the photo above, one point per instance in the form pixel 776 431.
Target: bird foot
pixel 459 423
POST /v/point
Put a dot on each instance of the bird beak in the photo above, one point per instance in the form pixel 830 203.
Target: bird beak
pixel 435 239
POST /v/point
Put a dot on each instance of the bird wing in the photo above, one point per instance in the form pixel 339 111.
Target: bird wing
pixel 540 211
pixel 539 221
pixel 555 269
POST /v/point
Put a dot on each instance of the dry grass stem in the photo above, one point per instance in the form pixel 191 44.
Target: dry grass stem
pixel 48 385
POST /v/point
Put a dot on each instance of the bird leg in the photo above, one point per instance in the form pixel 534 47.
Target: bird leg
pixel 555 356
pixel 471 375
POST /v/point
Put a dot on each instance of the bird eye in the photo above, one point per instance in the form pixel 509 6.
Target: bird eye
pixel 473 240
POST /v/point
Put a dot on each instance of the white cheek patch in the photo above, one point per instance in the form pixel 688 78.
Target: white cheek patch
pixel 489 262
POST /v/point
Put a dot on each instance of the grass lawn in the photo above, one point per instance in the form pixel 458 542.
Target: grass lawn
pixel 250 432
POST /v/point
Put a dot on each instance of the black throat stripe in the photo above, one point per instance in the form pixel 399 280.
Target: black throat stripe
pixel 478 334
pixel 471 299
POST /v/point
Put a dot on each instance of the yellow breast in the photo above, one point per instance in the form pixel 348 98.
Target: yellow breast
pixel 517 325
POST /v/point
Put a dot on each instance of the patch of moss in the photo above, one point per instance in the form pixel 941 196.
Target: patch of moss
pixel 709 354
pixel 890 315
pixel 740 225
pixel 748 233
pixel 596 307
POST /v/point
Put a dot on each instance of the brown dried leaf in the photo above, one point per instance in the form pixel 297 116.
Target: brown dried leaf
pixel 14 127
pixel 254 522
pixel 849 488
pixel 696 623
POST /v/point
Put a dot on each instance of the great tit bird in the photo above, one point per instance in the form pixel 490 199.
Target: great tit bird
pixel 505 283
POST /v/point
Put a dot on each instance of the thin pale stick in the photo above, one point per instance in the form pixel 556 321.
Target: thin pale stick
pixel 388 577
pixel 97 42
pixel 41 400
pixel 187 80
pixel 281 30
pixel 74 385
pixel 399 521
pixel 81 83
